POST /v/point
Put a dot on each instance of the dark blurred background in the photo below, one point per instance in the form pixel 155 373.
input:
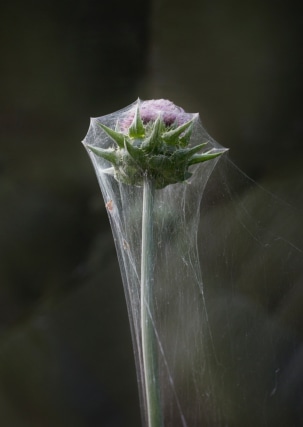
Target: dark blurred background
pixel 65 347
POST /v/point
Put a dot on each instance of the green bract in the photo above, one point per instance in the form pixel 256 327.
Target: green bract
pixel 153 150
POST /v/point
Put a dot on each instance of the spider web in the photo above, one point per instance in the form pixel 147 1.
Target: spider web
pixel 226 275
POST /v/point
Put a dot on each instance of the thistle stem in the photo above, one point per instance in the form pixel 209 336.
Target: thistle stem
pixel 150 368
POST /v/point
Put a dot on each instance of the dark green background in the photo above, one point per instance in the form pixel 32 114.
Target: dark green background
pixel 65 346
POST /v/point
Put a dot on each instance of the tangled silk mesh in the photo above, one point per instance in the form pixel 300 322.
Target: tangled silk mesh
pixel 226 347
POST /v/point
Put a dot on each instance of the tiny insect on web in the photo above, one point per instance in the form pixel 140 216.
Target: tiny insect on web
pixel 109 205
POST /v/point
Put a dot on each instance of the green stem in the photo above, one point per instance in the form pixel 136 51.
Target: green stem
pixel 149 343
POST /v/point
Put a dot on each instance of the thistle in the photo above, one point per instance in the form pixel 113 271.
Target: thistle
pixel 154 145
pixel 149 146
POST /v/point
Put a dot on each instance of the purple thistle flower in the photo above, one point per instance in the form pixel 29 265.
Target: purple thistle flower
pixel 150 110
pixel 152 140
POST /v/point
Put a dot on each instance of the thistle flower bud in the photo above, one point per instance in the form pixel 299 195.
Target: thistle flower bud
pixel 152 140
